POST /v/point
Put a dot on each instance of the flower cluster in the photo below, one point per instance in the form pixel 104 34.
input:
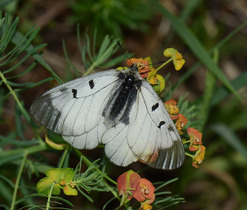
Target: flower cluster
pixel 147 71
pixel 196 146
pixel 131 185
pixel 173 110
pixel 56 179
pixel 195 140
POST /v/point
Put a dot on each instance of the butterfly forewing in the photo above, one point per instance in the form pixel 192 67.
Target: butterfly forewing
pixel 74 109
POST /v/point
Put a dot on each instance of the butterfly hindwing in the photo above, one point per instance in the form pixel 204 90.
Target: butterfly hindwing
pixel 153 136
pixel 117 148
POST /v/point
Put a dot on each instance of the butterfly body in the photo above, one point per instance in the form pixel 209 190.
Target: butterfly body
pixel 117 108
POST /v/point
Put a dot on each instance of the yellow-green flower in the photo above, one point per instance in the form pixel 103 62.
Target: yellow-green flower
pixel 156 80
pixel 176 57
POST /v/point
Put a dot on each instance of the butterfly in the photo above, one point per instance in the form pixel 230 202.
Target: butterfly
pixel 117 108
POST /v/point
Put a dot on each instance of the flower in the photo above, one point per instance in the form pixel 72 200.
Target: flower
pixel 199 156
pixel 177 57
pixel 146 70
pixel 156 80
pixel 126 184
pixel 131 185
pixel 144 65
pixel 59 178
pixel 180 123
pixel 146 206
pixel 173 110
pixel 144 191
pixel 195 138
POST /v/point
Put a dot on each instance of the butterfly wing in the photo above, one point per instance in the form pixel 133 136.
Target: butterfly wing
pixel 117 148
pixel 153 136
pixel 150 136
pixel 74 109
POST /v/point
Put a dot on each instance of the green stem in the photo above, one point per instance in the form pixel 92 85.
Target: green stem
pixel 63 157
pixel 168 61
pixel 28 151
pixel 18 180
pixel 15 96
pixel 188 154
pixel 49 197
pixel 185 142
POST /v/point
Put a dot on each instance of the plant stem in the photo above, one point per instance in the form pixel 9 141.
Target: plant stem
pixel 28 151
pixel 49 197
pixel 24 112
pixel 188 154
pixel 63 157
pixel 18 180
pixel 168 61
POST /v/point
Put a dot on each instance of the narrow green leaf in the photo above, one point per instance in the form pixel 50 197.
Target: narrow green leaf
pixel 8 181
pixel 190 71
pixel 230 137
pixel 196 47
pixel 64 200
pixel 222 92
pixel 19 37
pixel 10 158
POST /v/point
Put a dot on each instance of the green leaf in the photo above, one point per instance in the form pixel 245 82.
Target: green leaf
pixel 222 92
pixel 44 186
pixel 30 49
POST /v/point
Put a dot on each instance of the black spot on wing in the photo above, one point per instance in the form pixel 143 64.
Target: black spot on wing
pixel 74 91
pixel 161 123
pixel 155 106
pixel 91 84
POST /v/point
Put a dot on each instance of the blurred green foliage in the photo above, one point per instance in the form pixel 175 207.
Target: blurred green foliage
pixel 112 16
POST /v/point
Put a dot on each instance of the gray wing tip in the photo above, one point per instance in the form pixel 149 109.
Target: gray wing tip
pixel 168 158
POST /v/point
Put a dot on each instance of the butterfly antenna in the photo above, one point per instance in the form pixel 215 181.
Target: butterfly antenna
pixel 161 62
pixel 124 52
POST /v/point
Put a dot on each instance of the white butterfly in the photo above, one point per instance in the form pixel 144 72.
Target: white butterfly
pixel 116 108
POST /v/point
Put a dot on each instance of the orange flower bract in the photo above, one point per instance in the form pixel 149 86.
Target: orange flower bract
pixel 180 123
pixel 126 183
pixel 173 110
pixel 144 190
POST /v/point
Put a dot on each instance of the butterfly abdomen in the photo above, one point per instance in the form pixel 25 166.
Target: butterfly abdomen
pixel 122 100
